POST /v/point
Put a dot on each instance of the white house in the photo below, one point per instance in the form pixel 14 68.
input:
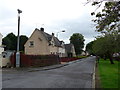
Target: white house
pixel 42 43
pixel 61 50
pixel 1 49
pixel 70 50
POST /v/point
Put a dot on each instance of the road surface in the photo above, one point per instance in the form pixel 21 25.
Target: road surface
pixel 75 75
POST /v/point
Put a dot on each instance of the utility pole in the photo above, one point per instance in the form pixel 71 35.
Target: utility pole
pixel 18 40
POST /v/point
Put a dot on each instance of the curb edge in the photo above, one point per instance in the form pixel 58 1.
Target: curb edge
pixel 93 79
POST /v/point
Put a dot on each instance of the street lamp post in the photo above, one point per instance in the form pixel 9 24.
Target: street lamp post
pixel 18 40
pixel 59 32
pixel 57 37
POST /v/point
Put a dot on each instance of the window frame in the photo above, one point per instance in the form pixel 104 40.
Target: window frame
pixel 31 44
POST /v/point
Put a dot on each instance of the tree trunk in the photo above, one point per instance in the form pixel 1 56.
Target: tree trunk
pixel 111 59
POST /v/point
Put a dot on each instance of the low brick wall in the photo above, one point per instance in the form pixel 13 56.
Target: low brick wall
pixel 35 60
pixel 67 59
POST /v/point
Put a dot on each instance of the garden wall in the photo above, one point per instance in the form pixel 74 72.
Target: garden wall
pixel 67 59
pixel 35 60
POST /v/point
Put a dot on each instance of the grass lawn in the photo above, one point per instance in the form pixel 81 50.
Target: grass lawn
pixel 108 74
pixel 81 56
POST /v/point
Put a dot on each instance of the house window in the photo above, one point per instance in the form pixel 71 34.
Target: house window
pixel 31 44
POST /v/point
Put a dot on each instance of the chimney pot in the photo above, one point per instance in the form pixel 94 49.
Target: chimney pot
pixel 36 28
pixel 42 29
pixel 52 34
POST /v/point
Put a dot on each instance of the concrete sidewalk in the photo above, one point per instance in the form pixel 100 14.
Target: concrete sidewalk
pixel 32 69
pixel 47 67
pixel 53 66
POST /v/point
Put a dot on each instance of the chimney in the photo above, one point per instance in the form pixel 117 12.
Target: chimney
pixel 52 34
pixel 36 28
pixel 42 29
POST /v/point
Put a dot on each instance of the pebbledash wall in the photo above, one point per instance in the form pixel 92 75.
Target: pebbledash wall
pixel 39 47
pixel 1 50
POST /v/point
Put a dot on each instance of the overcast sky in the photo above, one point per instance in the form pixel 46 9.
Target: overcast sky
pixel 54 15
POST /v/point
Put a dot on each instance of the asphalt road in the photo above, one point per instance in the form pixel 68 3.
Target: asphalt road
pixel 75 75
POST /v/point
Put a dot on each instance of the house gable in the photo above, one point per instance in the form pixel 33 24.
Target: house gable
pixel 38 42
pixel 70 49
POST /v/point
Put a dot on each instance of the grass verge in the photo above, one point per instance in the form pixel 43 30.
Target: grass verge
pixel 81 56
pixel 109 74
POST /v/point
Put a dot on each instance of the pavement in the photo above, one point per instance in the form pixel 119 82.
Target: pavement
pixel 52 66
pixel 32 69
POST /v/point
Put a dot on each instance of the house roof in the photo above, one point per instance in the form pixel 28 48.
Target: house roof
pixel 68 47
pixel 57 42
pixel 49 38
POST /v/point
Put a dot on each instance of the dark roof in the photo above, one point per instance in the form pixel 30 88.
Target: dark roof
pixel 68 47
pixel 49 37
pixel 57 42
pixel 61 42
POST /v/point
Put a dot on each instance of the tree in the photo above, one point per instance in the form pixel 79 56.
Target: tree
pixel 89 48
pixel 10 41
pixel 77 40
pixel 105 47
pixel 107 21
pixel 117 43
pixel 23 40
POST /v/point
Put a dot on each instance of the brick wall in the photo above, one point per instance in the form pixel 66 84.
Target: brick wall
pixel 35 60
pixel 67 59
